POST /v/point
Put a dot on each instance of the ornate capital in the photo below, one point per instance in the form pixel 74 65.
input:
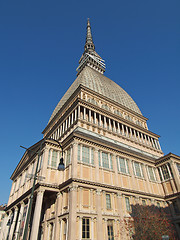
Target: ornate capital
pixel 98 192
pixel 119 195
pixel 73 188
pixel 59 194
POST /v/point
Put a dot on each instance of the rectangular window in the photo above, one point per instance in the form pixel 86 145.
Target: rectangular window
pixel 122 164
pixel 20 178
pixel 92 156
pixel 152 176
pixel 111 164
pixel 108 201
pixel 25 177
pixel 54 159
pixel 165 172
pixel 32 170
pixel 99 157
pixel 138 169
pixel 105 160
pixel 110 230
pixel 49 158
pixel 85 228
pixel 79 152
pixel 144 202
pixel 85 154
pixel 68 159
pixel 178 167
pixel 127 204
pixel 40 162
pixel 14 186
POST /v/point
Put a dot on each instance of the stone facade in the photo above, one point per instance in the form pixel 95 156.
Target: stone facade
pixel 112 161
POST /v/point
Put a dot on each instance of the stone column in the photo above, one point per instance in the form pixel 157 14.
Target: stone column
pixel 132 174
pixel 72 118
pixel 96 163
pixel 8 228
pixel 119 131
pixel 105 122
pixel 37 215
pixel 80 227
pixel 159 144
pixel 67 224
pixel 58 210
pixel 79 112
pixel 4 227
pixel 94 117
pixel 122 129
pixel 19 221
pixel 120 205
pixel 84 113
pixel 138 136
pixel 13 223
pixel 115 169
pixel 60 229
pixel 72 212
pixel 110 127
pixel 127 132
pixel 75 115
pixel 100 120
pixel 145 172
pixel 74 161
pixel 114 126
pixel 92 228
pixel 99 215
pixel 105 228
pixel 89 115
pixel 175 175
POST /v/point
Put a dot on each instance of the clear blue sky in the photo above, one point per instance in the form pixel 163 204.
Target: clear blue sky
pixel 40 46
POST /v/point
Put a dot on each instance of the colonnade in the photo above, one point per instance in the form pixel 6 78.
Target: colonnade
pixel 15 220
pixel 83 113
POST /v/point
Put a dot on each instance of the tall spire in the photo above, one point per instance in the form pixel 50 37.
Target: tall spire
pixel 89 45
pixel 90 57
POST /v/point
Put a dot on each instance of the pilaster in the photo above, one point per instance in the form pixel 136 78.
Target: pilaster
pixel 72 212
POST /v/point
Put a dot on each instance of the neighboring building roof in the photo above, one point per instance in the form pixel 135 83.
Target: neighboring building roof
pixel 97 82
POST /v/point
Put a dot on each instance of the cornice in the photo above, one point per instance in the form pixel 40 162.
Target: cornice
pixel 23 163
pixel 113 146
pixel 52 187
pixel 106 186
pixel 167 157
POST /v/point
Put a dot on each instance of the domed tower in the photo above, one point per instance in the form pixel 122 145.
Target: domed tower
pixel 112 162
pixel 97 105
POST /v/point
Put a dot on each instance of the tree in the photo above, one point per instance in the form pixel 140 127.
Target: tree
pixel 147 223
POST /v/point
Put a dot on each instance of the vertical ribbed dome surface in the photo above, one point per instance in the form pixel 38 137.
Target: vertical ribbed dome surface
pixel 100 84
